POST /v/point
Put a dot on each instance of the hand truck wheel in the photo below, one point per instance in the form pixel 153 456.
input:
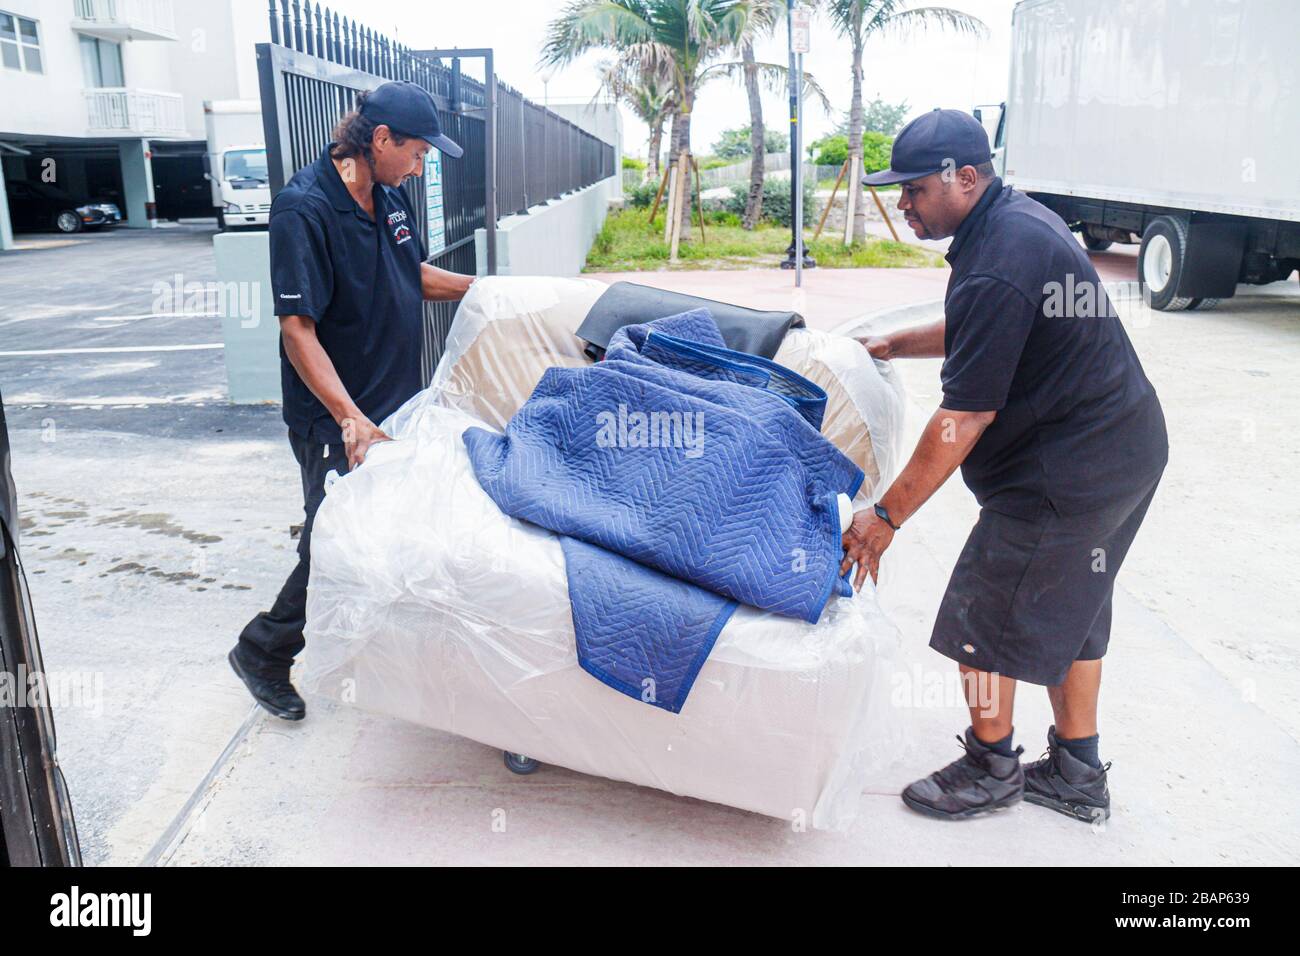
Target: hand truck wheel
pixel 518 763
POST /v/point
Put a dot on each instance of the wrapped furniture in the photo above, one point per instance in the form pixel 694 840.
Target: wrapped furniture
pixel 429 604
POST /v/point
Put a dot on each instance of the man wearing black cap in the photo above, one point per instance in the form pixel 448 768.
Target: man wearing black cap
pixel 1062 440
pixel 349 280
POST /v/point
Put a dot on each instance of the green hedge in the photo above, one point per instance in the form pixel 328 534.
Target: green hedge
pixel 834 150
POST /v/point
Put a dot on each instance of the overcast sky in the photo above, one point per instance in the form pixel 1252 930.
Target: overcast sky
pixel 934 68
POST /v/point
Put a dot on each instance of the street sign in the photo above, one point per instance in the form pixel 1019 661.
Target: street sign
pixel 801 22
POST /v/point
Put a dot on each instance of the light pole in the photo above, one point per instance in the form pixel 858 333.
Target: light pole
pixel 798 23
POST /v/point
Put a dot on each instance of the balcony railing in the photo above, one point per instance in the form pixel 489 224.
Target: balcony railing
pixel 135 112
pixel 125 19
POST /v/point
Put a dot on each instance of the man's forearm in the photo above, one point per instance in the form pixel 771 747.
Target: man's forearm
pixel 439 285
pixel 919 341
pixel 944 445
pixel 315 368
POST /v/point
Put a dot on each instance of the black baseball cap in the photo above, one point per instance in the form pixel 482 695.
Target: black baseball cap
pixel 408 109
pixel 938 140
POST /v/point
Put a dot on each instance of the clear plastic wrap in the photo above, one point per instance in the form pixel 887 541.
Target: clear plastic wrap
pixel 429 604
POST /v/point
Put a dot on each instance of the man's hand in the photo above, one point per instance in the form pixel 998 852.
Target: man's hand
pixel 358 435
pixel 864 543
pixel 921 341
pixel 878 345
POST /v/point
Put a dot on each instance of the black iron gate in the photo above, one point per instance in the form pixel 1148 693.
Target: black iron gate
pixel 317 62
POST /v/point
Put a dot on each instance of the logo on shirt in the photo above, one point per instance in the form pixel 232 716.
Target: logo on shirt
pixel 397 222
pixel 296 295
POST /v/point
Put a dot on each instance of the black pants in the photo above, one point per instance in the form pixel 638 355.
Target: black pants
pixel 271 640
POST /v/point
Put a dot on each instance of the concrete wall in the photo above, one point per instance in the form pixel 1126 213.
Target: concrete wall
pixel 249 328
pixel 552 238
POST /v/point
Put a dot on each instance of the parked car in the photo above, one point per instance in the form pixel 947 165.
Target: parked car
pixel 39 206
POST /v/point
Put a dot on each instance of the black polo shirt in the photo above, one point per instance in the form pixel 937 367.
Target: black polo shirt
pixel 359 280
pixel 1031 334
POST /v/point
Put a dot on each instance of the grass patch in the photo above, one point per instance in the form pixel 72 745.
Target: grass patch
pixel 628 243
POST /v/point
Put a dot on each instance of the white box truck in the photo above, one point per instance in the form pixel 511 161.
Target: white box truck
pixel 235 163
pixel 1173 123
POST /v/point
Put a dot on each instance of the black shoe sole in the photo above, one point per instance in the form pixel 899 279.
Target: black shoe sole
pixel 1004 804
pixel 1084 812
pixel 262 702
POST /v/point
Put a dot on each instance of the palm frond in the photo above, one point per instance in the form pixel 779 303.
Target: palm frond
pixel 922 18
pixel 773 76
pixel 594 24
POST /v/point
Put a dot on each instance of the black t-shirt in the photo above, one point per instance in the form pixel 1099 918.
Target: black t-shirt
pixel 1031 334
pixel 359 280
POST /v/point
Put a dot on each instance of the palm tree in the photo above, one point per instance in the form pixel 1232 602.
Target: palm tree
pixel 860 19
pixel 648 94
pixel 766 15
pixel 680 38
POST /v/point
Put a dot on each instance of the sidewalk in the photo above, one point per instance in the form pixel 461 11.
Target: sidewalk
pixel 828 299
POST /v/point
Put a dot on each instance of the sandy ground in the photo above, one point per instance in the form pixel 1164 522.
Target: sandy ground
pixel 156 522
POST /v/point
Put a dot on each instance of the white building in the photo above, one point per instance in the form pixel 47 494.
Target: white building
pixel 104 98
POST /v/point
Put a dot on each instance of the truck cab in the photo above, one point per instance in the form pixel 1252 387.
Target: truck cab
pixel 241 190
pixel 235 162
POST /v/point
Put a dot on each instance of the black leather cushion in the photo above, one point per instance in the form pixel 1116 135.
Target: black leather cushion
pixel 628 303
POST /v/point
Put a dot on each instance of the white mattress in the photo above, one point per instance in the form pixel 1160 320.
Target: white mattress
pixel 428 604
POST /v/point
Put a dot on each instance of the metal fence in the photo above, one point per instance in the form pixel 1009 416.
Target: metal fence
pixel 541 155
pixel 517 154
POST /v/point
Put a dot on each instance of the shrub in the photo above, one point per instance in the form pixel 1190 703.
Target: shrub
pixel 876 148
pixel 834 150
pixel 641 195
pixel 776 201
pixel 631 162
pixel 831 150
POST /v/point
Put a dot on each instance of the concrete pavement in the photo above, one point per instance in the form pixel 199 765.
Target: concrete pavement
pixel 1204 756
pixel 156 522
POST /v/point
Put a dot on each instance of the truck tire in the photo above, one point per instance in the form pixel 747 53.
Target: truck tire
pixel 1160 263
pixel 1093 244
pixel 1204 304
pixel 221 221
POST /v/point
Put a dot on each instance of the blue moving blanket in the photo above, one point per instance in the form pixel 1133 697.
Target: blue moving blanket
pixel 685 477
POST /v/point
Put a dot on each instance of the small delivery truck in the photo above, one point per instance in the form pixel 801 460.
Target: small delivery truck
pixel 1170 123
pixel 235 163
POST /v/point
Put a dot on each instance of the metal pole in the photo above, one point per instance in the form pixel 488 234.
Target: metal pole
pixel 795 256
pixel 490 161
pixel 796 176
pixel 789 262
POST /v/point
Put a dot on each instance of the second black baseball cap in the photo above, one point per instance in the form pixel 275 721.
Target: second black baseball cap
pixel 408 109
pixel 934 141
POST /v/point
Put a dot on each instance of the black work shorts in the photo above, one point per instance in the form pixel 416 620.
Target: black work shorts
pixel 1029 597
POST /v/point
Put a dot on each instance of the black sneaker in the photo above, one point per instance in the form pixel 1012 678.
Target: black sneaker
pixel 276 695
pixel 980 782
pixel 1060 781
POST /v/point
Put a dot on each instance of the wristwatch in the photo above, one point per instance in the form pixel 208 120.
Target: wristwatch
pixel 883 515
